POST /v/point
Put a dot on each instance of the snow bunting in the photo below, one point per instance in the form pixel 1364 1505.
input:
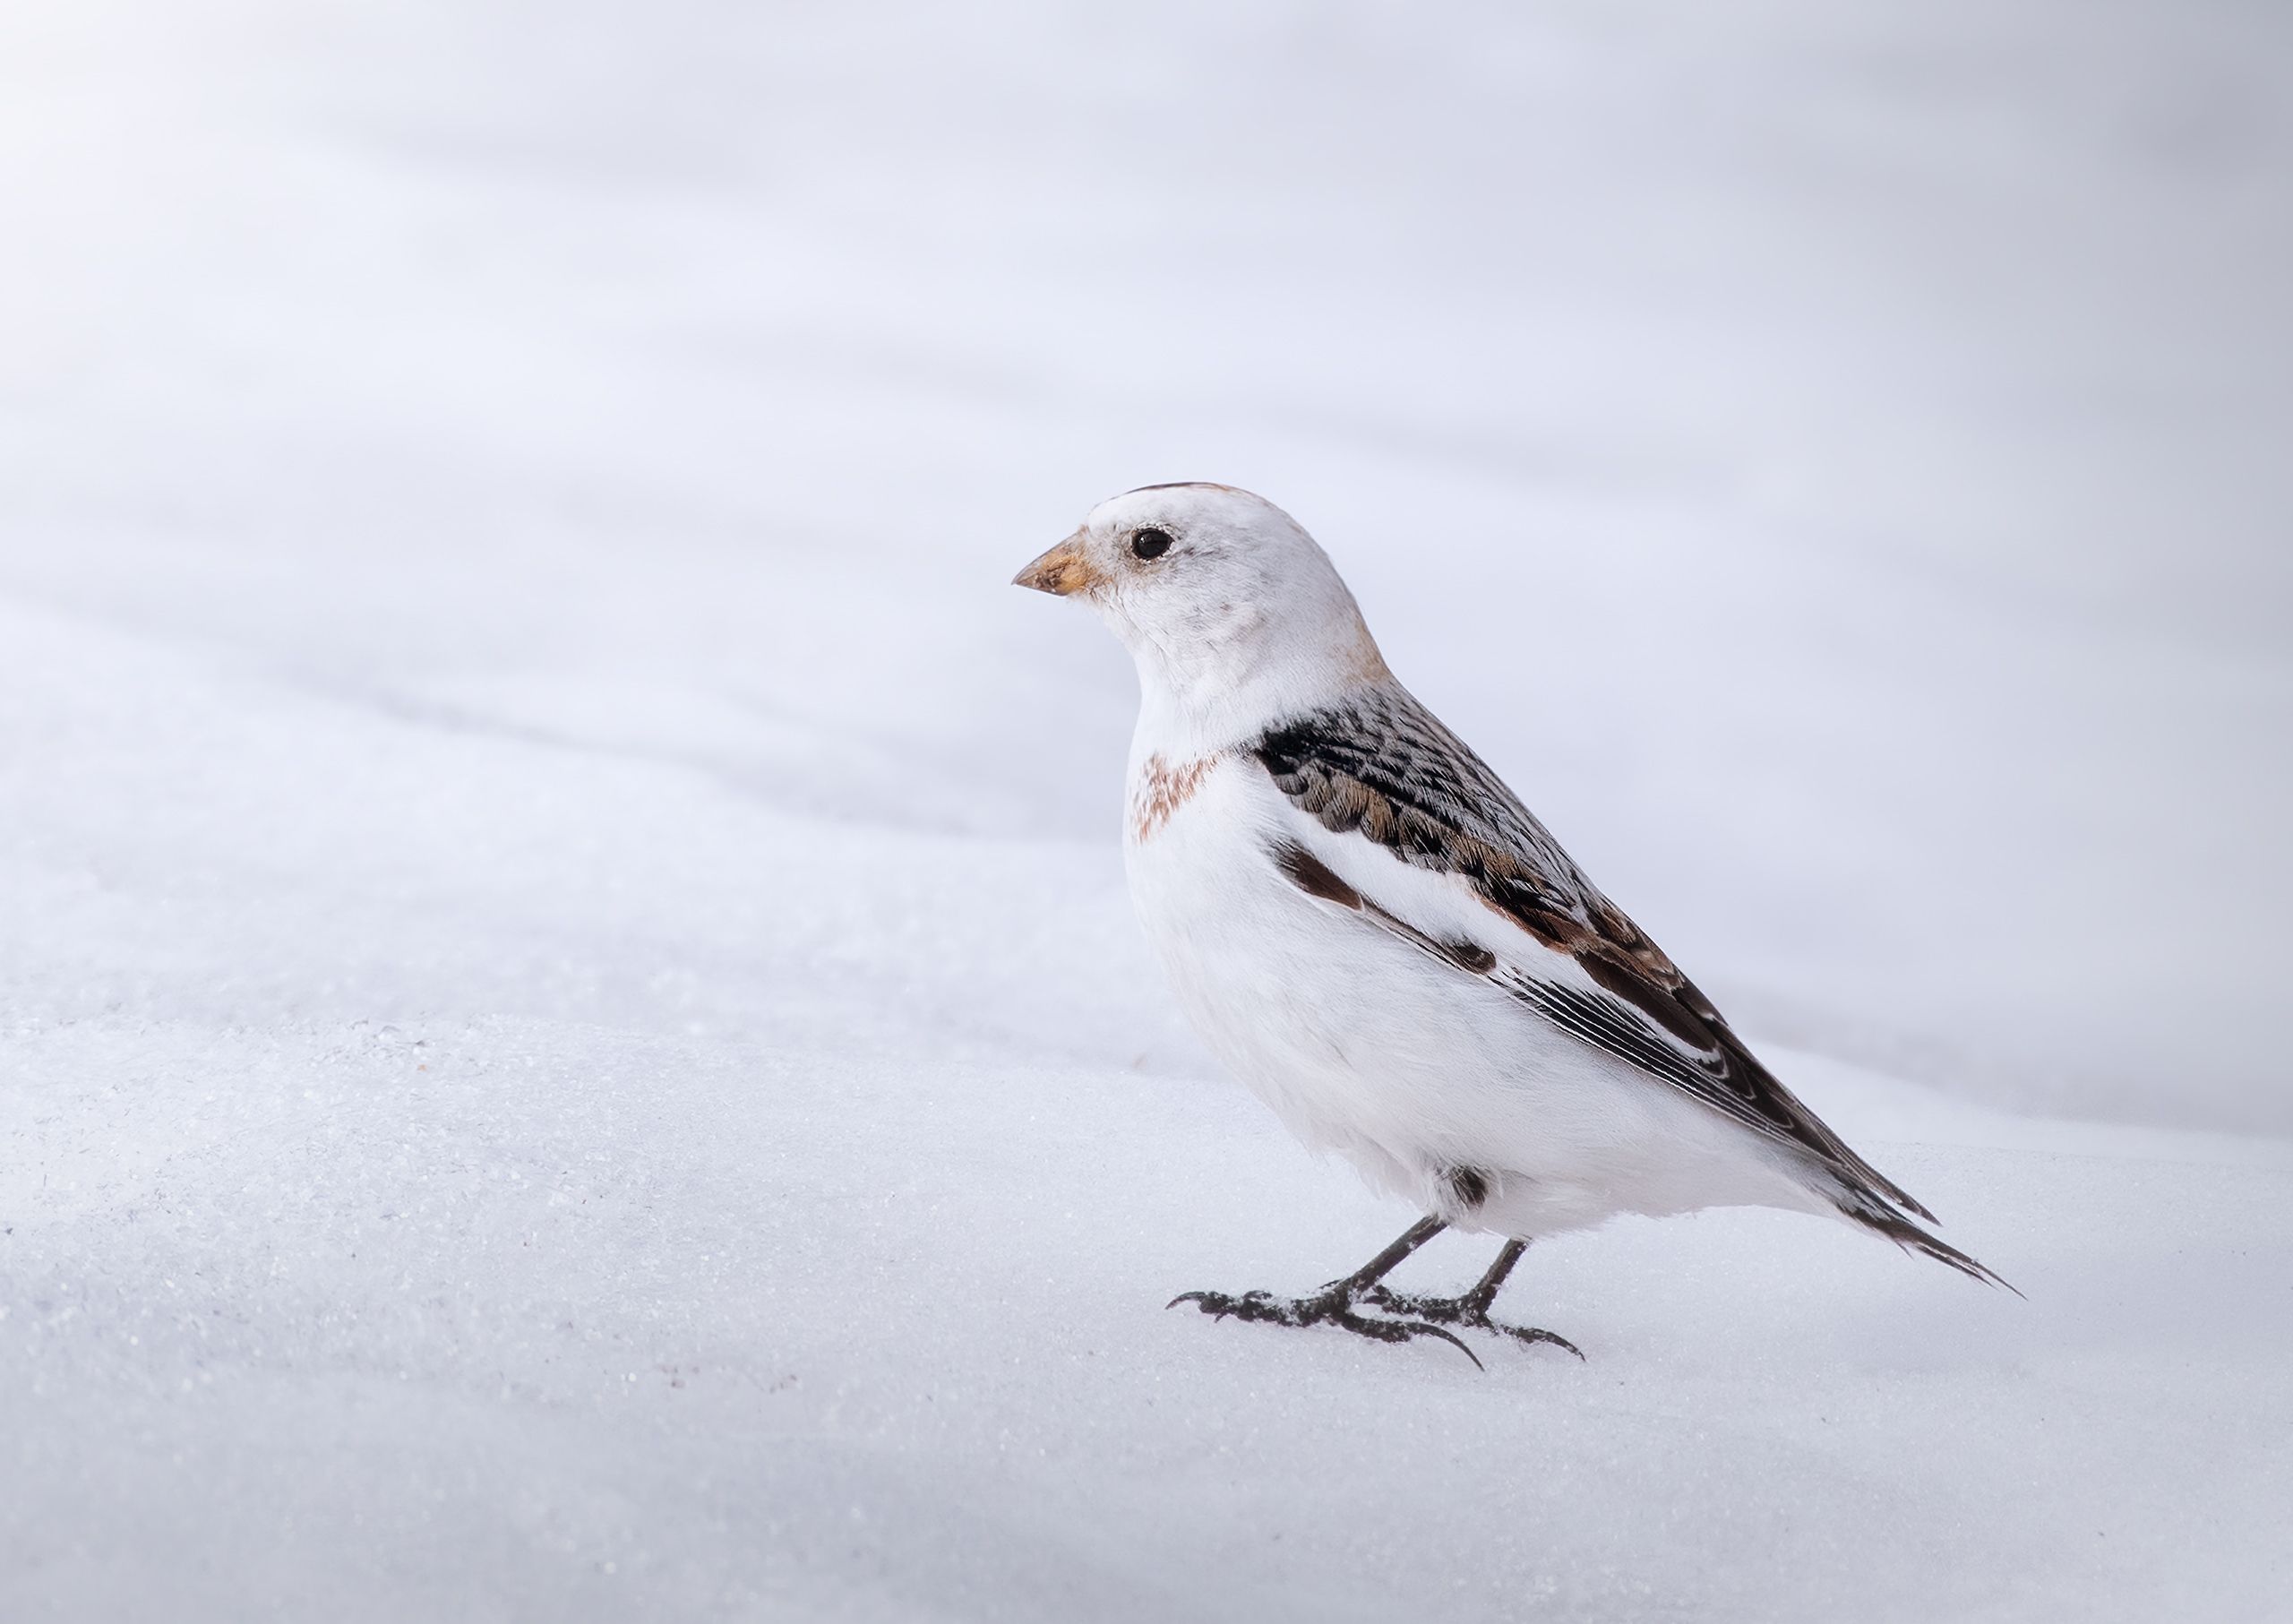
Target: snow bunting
pixel 1370 930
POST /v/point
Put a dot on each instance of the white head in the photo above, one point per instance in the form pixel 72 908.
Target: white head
pixel 1232 612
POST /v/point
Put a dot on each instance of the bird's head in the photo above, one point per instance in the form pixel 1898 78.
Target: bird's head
pixel 1232 612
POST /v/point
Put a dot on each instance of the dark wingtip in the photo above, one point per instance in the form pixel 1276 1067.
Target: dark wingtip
pixel 1913 1239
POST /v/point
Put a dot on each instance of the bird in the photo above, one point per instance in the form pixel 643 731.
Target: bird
pixel 1371 932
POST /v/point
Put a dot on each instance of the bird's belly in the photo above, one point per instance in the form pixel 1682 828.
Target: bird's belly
pixel 1408 1066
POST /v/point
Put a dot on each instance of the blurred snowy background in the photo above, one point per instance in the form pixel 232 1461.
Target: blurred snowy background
pixel 570 1042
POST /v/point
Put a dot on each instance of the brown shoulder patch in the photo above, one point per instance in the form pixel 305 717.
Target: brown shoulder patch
pixel 1162 789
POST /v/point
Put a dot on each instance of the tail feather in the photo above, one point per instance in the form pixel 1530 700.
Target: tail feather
pixel 1908 1235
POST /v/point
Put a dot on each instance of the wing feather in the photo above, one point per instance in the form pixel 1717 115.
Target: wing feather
pixel 1384 767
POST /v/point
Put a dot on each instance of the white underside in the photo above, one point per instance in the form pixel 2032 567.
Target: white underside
pixel 1405 1065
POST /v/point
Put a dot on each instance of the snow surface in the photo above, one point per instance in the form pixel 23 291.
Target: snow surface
pixel 570 1042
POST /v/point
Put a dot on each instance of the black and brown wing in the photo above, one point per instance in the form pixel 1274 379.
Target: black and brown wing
pixel 1383 767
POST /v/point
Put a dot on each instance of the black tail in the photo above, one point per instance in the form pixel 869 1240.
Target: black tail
pixel 1908 1235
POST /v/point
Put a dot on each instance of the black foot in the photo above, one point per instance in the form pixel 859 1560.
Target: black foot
pixel 1332 1305
pixel 1470 1310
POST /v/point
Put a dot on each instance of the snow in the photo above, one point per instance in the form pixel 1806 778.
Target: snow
pixel 570 1042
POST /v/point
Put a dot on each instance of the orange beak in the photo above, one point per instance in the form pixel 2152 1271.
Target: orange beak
pixel 1063 572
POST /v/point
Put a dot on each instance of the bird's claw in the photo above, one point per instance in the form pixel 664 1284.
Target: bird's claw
pixel 1332 1306
pixel 1461 1311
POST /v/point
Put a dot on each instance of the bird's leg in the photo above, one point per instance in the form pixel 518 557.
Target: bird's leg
pixel 1472 1308
pixel 1334 1303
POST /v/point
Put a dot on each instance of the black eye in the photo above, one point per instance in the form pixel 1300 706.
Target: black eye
pixel 1150 542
